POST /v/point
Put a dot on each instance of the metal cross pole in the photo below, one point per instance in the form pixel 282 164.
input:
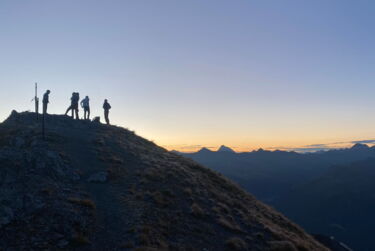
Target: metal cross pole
pixel 36 100
pixel 43 126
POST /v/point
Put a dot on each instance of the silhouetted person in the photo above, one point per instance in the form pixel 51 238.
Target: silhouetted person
pixel 85 104
pixel 73 105
pixel 106 107
pixel 46 101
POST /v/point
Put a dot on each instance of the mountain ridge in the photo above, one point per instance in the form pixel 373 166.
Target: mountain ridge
pixel 97 187
pixel 224 148
pixel 334 200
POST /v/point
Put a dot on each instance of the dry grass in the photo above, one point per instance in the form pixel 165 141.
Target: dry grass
pixel 153 174
pixel 116 172
pixel 159 199
pixel 98 142
pixel 82 202
pixel 47 190
pixel 128 244
pixel 282 246
pixel 146 249
pixel 229 224
pixel 139 195
pixel 196 210
pixel 150 237
pixel 224 208
pixel 168 193
pixel 64 157
pixel 259 235
pixel 114 160
pixel 188 191
pixel 79 240
pixel 216 210
pixel 143 239
pixel 236 243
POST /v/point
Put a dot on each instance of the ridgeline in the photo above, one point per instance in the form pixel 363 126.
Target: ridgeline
pixel 90 186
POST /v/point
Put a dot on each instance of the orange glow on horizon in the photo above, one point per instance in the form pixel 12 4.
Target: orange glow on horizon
pixel 299 148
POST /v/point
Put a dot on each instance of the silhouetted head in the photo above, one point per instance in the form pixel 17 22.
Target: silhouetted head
pixel 105 101
pixel 48 91
pixel 87 97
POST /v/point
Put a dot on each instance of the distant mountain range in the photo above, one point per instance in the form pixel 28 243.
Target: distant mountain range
pixel 327 192
pixel 283 170
pixel 341 202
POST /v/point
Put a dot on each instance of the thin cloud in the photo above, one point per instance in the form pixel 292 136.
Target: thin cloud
pixel 325 147
pixel 316 145
pixel 304 149
pixel 366 141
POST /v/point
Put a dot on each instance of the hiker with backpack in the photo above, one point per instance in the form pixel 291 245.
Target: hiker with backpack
pixel 74 105
pixel 106 107
pixel 85 104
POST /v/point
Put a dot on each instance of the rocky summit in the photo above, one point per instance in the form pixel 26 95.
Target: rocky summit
pixel 88 186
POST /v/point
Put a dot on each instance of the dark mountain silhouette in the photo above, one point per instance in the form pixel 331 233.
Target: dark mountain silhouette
pixel 340 203
pixel 225 149
pixel 322 191
pixel 271 174
pixel 204 150
pixel 90 186
pixel 359 146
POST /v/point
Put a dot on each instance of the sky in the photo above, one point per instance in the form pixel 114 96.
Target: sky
pixel 186 74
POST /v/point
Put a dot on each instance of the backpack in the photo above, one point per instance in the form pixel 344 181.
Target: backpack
pixel 75 97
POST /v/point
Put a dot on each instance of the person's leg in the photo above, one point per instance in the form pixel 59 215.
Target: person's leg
pixel 106 113
pixel 67 110
pixel 88 112
pixel 77 117
pixel 44 108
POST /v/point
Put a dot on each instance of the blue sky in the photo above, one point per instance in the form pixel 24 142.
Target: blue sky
pixel 246 74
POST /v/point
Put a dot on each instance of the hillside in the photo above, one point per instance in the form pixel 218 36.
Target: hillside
pixel 340 203
pixel 97 187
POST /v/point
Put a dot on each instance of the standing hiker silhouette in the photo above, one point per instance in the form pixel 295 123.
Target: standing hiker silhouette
pixel 106 107
pixel 46 101
pixel 85 104
pixel 73 105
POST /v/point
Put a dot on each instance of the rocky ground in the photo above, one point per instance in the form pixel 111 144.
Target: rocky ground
pixel 90 186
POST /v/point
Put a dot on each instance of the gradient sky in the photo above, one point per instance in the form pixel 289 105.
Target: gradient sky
pixel 194 73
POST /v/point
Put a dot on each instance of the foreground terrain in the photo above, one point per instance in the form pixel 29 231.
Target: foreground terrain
pixel 90 186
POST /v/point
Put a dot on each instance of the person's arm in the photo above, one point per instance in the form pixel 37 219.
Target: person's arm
pixel 45 99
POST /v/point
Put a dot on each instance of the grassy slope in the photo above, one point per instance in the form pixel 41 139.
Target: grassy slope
pixel 154 198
